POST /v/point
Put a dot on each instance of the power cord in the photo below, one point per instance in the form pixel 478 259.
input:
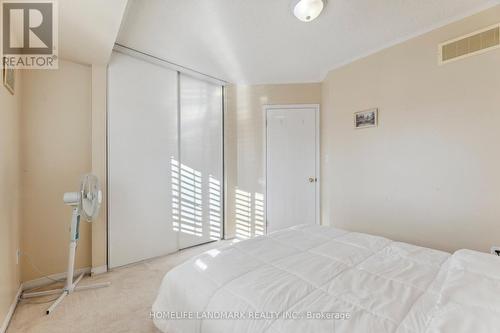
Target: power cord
pixel 39 271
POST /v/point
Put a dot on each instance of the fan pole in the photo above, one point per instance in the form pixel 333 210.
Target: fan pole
pixel 74 235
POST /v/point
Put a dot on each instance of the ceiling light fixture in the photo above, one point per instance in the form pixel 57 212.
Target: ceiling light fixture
pixel 307 10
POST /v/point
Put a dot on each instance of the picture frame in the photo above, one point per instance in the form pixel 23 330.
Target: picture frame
pixel 9 79
pixel 366 118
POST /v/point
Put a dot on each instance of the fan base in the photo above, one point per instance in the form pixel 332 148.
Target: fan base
pixel 64 292
pixel 71 285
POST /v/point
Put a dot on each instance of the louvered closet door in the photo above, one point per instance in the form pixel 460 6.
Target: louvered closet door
pixel 200 169
pixel 142 149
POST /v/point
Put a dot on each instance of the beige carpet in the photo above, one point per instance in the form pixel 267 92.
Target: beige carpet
pixel 122 307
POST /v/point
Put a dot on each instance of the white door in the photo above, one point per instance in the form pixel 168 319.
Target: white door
pixel 142 145
pixel 291 177
pixel 200 174
pixel 165 169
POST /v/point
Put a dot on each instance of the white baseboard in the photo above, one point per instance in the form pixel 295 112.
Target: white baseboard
pixel 99 270
pixel 12 308
pixel 229 236
pixel 44 281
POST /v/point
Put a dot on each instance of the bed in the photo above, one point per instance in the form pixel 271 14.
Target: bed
pixel 320 279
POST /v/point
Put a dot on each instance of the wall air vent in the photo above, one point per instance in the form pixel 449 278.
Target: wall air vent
pixel 474 43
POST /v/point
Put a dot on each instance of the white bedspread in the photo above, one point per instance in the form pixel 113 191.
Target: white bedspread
pixel 321 279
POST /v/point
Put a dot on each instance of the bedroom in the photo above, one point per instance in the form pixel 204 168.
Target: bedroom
pixel 258 166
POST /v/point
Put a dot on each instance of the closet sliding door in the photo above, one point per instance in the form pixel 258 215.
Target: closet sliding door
pixel 201 169
pixel 142 143
pixel 165 160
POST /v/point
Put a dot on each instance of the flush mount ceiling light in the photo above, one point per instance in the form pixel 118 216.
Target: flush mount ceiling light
pixel 307 10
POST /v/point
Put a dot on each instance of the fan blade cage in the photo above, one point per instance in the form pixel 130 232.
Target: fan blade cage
pixel 91 197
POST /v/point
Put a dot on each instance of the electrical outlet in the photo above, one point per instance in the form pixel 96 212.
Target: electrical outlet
pixel 495 250
pixel 18 256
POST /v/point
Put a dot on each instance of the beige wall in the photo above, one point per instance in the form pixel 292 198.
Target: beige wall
pixel 244 137
pixel 10 194
pixel 99 225
pixel 429 174
pixel 56 139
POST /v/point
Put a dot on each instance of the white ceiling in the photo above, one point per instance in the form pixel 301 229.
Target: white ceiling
pixel 88 29
pixel 259 41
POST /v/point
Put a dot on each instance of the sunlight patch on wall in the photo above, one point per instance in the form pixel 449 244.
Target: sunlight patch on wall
pixel 249 214
pixel 259 214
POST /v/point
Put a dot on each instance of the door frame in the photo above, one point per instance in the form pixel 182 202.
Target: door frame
pixel 316 109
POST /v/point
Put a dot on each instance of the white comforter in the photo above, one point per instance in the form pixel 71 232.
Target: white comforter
pixel 321 279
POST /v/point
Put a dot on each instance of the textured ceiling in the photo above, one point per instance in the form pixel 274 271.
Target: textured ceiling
pixel 259 41
pixel 88 29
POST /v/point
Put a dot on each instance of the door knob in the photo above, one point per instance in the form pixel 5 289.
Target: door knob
pixel 312 179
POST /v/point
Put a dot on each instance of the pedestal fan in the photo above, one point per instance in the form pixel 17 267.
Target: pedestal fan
pixel 85 204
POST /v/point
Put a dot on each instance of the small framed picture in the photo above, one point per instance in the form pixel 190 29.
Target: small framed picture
pixel 9 79
pixel 367 118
